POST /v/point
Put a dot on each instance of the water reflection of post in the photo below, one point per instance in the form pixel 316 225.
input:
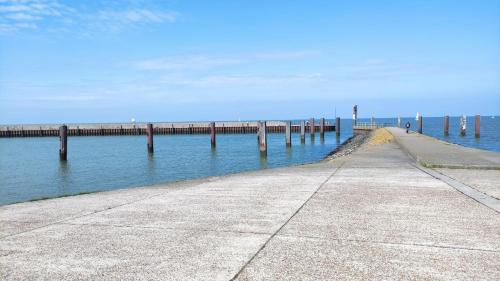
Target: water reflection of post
pixel 213 160
pixel 64 172
pixel 151 161
pixel 263 161
pixel 288 153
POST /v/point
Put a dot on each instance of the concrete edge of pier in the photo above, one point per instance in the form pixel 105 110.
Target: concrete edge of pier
pixel 422 145
pixel 467 190
pixel 430 152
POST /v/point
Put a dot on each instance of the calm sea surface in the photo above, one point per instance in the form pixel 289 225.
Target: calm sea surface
pixel 30 167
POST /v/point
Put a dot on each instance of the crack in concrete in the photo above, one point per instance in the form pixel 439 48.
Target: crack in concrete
pixel 389 243
pixel 166 228
pixel 286 222
pixel 79 216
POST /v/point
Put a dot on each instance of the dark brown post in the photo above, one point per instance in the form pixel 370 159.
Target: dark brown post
pixel 212 134
pixel 63 139
pixel 302 131
pixel 446 125
pixel 355 115
pixel 149 132
pixel 322 127
pixel 420 124
pixel 337 126
pixel 262 138
pixel 478 126
pixel 288 133
pixel 311 127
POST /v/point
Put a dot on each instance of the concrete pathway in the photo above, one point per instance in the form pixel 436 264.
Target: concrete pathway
pixel 476 168
pixel 371 215
pixel 439 154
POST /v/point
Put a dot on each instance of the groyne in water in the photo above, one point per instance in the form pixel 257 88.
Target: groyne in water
pixel 118 129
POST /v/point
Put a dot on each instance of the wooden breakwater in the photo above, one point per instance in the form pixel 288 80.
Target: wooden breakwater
pixel 125 129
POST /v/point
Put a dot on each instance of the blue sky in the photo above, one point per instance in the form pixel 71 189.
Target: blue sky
pixel 109 61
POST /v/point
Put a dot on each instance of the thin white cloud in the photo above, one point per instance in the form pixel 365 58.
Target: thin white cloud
pixel 16 15
pixel 206 62
pixel 286 55
pixel 23 17
pixel 66 98
pixel 28 14
pixel 138 15
pixel 243 80
pixel 189 62
pixel 377 69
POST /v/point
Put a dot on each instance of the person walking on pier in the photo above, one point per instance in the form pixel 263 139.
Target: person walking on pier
pixel 407 126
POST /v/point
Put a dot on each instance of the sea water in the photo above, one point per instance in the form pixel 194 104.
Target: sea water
pixel 30 168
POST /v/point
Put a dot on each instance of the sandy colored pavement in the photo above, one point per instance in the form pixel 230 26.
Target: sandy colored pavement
pixel 370 215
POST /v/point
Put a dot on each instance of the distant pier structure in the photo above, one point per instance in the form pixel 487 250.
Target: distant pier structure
pixel 125 129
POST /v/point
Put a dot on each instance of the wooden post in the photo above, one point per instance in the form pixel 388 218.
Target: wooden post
pixel 262 138
pixel 212 134
pixel 302 131
pixel 63 139
pixel 337 126
pixel 288 133
pixel 446 125
pixel 355 115
pixel 420 124
pixel 463 125
pixel 478 126
pixel 322 127
pixel 311 127
pixel 399 121
pixel 149 132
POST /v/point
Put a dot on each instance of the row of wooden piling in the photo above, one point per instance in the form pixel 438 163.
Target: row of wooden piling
pixel 157 131
pixel 446 127
pixel 261 129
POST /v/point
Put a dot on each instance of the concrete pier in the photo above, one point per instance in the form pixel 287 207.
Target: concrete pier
pixel 372 215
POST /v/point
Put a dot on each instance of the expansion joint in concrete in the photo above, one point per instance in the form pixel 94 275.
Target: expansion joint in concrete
pixel 79 216
pixel 390 243
pixel 286 222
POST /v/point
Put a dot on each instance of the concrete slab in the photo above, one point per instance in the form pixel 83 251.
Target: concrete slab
pixel 302 258
pixel 252 214
pixel 442 218
pixel 22 217
pixel 486 181
pixel 81 252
